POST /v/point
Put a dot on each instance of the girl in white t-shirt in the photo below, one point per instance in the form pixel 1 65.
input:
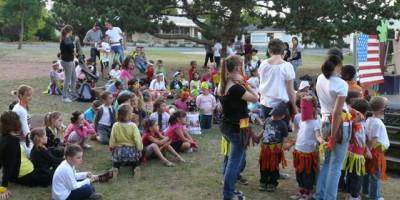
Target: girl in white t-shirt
pixel 115 71
pixel 254 80
pixel 305 155
pixel 193 119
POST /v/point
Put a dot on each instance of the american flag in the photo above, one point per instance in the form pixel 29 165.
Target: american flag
pixel 368 60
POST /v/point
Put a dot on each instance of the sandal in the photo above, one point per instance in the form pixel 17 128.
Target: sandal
pixel 106 176
pixel 168 164
pixel 180 159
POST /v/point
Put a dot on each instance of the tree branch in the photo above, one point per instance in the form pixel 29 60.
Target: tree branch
pixel 193 16
pixel 182 37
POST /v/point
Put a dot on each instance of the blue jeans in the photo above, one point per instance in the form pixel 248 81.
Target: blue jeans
pixel 83 192
pixel 206 121
pixel 104 133
pixel 295 68
pixel 234 164
pixel 365 186
pixel 329 175
pixel 118 50
pixel 375 185
pixel 242 164
pixel 141 66
pixel 93 53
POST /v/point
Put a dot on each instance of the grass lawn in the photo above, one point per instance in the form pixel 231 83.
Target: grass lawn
pixel 199 178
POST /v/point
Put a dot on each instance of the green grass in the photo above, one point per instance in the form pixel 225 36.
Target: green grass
pixel 199 178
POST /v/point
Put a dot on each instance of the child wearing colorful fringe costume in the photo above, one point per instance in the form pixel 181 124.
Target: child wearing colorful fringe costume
pixel 354 163
pixel 378 144
pixel 273 141
pixel 305 155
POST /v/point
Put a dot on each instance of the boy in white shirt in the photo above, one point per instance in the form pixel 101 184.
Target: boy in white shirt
pixel 67 183
pixel 105 49
pixel 105 118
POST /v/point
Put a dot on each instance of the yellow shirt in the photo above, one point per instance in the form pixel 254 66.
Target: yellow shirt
pixel 126 134
pixel 26 165
pixel 217 78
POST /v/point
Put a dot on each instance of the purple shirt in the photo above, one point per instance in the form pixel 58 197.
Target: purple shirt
pixel 181 104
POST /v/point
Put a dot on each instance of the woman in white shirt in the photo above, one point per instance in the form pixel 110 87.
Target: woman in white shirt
pixel 332 93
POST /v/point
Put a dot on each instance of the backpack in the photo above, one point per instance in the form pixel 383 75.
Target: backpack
pixel 85 93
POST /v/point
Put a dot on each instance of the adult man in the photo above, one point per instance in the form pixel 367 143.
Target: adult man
pixel 117 37
pixel 92 39
pixel 209 54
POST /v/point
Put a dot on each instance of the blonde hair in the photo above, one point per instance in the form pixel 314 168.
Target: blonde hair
pixel 123 111
pixel 49 116
pixel 35 136
pixel 21 91
pixel 378 103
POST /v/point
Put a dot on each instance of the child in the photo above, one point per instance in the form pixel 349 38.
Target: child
pixel 354 164
pixel 78 130
pixel 208 77
pixel 274 140
pixel 55 133
pixel 176 84
pixel 378 144
pixel 348 73
pixel 181 103
pixel 80 75
pixel 150 71
pixel 136 120
pixel 104 118
pixel 69 184
pixel 305 155
pixel 116 88
pixel 255 113
pixel 89 113
pixel 193 119
pixel 195 83
pixel 115 71
pixel 160 115
pixel 206 103
pixel 254 58
pixel 125 140
pixel 216 79
pixel 154 143
pixel 55 86
pixel 140 60
pixel 41 157
pixel 192 69
pixel 180 139
pixel 158 83
pixel 247 65
pixel 105 49
pixel 304 86
pixel 148 103
pixel 160 68
pixel 254 80
pixel 183 79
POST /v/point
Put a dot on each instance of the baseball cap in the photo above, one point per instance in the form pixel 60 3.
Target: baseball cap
pixel 204 85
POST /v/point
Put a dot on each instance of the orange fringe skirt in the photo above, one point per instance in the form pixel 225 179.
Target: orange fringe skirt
pixel 270 157
pixel 378 161
pixel 305 161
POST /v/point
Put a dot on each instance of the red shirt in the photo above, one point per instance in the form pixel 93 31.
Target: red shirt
pixel 150 73
pixel 207 78
pixel 145 138
pixel 191 70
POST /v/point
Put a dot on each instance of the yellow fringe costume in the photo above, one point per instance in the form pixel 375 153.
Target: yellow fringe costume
pixel 355 160
pixel 224 147
pixel 307 161
pixel 378 160
pixel 270 157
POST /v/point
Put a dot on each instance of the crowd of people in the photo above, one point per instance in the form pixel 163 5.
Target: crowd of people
pixel 333 139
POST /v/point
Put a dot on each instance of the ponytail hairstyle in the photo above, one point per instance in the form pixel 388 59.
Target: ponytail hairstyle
pixel 228 66
pixel 334 58
pixel 75 116
pixel 22 91
pixel 66 29
pixel 174 116
pixel 49 116
pixel 35 136
pixel 124 111
pixel 147 124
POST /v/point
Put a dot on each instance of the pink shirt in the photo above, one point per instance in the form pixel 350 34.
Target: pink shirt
pixel 170 132
pixel 125 73
pixel 181 104
pixel 145 138
pixel 207 103
pixel 82 132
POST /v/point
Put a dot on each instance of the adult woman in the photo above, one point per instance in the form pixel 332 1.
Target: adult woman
pixel 234 93
pixel 287 53
pixel 276 79
pixel 24 94
pixel 296 57
pixel 127 65
pixel 16 166
pixel 332 92
pixel 67 62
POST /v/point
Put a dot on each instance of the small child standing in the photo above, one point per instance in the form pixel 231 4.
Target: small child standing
pixel 104 118
pixel 180 139
pixel 305 155
pixel 273 141
pixel 105 55
pixel 154 143
pixel 55 87
pixel 89 113
pixel 160 115
pixel 69 184
pixel 206 103
pixel 78 131
pixel 193 119
pixel 149 72
pixel 125 141
pixel 378 144
pixel 255 113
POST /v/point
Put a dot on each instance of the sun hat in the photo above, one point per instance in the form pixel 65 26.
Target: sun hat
pixel 303 84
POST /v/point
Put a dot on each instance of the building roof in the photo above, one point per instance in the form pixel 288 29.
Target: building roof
pixel 183 21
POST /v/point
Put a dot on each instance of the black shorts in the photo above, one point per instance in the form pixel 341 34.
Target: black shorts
pixel 177 145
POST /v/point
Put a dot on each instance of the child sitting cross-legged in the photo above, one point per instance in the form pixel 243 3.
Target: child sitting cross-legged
pixel 104 118
pixel 180 139
pixel 69 184
pixel 79 130
pixel 125 141
pixel 160 114
pixel 155 143
pixel 181 103
pixel 90 112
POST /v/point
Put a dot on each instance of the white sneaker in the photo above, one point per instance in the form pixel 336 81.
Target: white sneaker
pixel 67 100
pixel 381 198
pixel 296 196
pixel 190 150
pixel 86 146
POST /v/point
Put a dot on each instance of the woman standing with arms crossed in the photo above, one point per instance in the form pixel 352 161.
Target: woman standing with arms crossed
pixel 67 62
pixel 332 93
pixel 296 58
pixel 234 94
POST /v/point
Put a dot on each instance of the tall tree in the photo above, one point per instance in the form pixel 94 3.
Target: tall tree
pixel 21 12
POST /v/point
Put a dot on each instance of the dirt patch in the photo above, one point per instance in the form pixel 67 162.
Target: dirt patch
pixel 23 70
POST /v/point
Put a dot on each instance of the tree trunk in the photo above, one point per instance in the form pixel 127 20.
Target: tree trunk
pixel 21 34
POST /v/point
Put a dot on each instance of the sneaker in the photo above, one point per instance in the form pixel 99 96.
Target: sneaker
pixel 296 196
pixel 238 193
pixel 67 100
pixel 74 99
pixel 262 187
pixel 381 198
pixel 190 150
pixel 242 180
pixel 283 175
pixel 236 198
pixel 96 196
pixel 271 188
pixel 304 197
pixel 86 146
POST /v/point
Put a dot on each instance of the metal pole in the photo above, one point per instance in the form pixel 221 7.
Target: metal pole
pixel 355 55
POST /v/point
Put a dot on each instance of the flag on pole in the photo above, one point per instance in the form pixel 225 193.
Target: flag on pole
pixel 368 60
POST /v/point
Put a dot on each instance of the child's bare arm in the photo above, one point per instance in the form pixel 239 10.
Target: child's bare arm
pixel 318 136
pixel 259 136
pixel 154 140
pixel 372 142
pixel 181 135
pixel 286 145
